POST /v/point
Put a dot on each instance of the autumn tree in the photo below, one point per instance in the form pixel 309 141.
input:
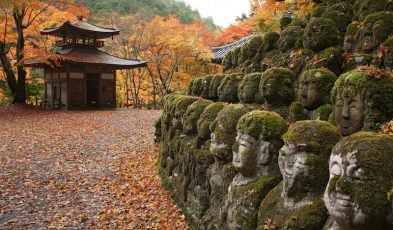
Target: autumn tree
pixel 19 37
pixel 234 32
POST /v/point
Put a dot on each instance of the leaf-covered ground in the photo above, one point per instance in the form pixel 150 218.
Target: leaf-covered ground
pixel 81 170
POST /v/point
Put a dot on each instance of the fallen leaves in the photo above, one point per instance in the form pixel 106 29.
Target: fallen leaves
pixel 81 169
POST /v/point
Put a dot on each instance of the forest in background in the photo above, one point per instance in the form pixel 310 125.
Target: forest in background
pixel 172 37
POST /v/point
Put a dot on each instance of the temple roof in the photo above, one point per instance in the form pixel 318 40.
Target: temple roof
pixel 220 52
pixel 82 28
pixel 82 55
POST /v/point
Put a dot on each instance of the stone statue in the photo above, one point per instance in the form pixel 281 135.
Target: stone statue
pixel 361 172
pixel 248 88
pixel 277 89
pixel 190 118
pixel 361 102
pixel 296 202
pixel 227 91
pixel 221 173
pixel 319 34
pixel 255 160
pixel 314 95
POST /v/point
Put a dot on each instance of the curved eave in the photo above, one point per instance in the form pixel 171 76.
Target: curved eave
pixel 80 28
pixel 220 52
pixel 85 56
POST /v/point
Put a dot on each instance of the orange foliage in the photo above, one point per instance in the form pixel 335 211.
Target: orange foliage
pixel 235 32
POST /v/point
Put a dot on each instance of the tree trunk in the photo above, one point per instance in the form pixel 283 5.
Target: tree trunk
pixel 20 93
pixel 7 68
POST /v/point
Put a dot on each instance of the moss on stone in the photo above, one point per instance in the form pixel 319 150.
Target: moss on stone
pixel 248 88
pixel 207 117
pixel 190 118
pixel 362 8
pixel 264 125
pixel 158 131
pixel 357 59
pixel 373 153
pixel 377 95
pixel 196 88
pixel 298 22
pixel 227 61
pixel 224 128
pixel 227 91
pixel 252 47
pixel 318 11
pixel 330 58
pixel 323 112
pixel 296 112
pixel 205 87
pixel 318 136
pixel 322 79
pixel 319 34
pixel 270 41
pixel 376 28
pixel 213 87
pixel 277 86
pixel 291 38
pixel 285 21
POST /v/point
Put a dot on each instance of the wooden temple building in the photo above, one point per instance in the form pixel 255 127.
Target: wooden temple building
pixel 80 75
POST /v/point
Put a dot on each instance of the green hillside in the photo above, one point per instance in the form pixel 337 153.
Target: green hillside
pixel 149 8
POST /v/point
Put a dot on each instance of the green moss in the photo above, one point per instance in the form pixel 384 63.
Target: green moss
pixel 377 95
pixel 318 11
pixel 376 28
pixel 330 58
pixel 263 125
pixel 323 112
pixel 277 86
pixel 357 59
pixel 285 21
pixel 190 118
pixel 227 91
pixel 322 79
pixel 373 153
pixel 235 56
pixel 298 22
pixel 318 136
pixel 296 112
pixel 213 87
pixel 206 118
pixel 362 8
pixel 158 131
pixel 205 87
pixel 270 41
pixel 341 19
pixel 291 38
pixel 248 88
pixel 252 47
pixel 319 34
pixel 227 62
pixel 225 128
pixel 196 88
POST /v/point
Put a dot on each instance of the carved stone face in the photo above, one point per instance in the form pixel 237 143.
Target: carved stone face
pixel 309 95
pixel 249 153
pixel 349 111
pixel 292 163
pixel 356 193
pixel 218 147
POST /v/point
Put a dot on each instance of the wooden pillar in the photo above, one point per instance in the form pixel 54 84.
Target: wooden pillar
pixel 114 88
pixel 67 69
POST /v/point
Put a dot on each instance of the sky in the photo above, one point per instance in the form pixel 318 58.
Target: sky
pixel 223 12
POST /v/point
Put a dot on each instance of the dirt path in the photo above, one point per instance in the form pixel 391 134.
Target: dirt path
pixel 81 170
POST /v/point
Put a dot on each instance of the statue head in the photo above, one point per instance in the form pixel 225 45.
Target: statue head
pixel 193 112
pixel 362 8
pixel 207 117
pixel 291 38
pixel 304 157
pixel 361 172
pixel 257 142
pixel 277 86
pixel 319 34
pixel 375 29
pixel 361 101
pixel 181 104
pixel 314 87
pixel 205 85
pixel 227 91
pixel 248 88
pixel 195 87
pixel 213 86
pixel 223 131
pixel 387 49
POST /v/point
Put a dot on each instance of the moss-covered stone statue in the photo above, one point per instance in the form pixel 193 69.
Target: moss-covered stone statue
pixel 221 173
pixel 198 188
pixel 341 13
pixel 227 91
pixel 361 175
pixel 277 89
pixel 296 203
pixel 362 101
pixel 180 108
pixel 215 82
pixel 320 33
pixel 195 87
pixel 291 38
pixel 375 29
pixel 191 117
pixel 265 52
pixel 255 155
pixel 362 8
pixel 330 58
pixel 387 54
pixel 314 95
pixel 205 86
pixel 248 89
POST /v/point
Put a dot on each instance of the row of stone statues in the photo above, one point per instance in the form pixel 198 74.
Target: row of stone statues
pixel 252 171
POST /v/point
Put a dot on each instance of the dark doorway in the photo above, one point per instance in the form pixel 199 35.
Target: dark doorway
pixel 92 96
